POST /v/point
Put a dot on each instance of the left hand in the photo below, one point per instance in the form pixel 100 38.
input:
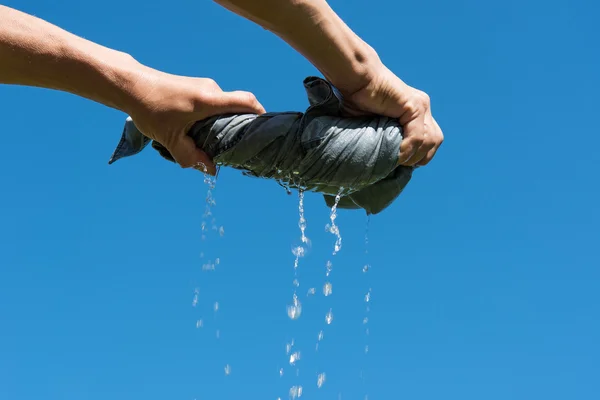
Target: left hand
pixel 165 107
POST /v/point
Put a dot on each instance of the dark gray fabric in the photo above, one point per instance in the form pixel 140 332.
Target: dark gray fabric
pixel 319 150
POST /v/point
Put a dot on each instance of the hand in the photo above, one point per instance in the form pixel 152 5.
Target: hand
pixel 385 94
pixel 165 107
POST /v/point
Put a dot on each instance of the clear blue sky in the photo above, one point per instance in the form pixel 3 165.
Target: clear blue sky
pixel 485 273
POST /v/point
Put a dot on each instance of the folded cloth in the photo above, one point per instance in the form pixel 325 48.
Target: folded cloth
pixel 319 150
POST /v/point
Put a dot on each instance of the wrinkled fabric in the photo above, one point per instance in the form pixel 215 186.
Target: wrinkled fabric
pixel 319 150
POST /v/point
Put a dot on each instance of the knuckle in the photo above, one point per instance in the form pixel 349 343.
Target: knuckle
pixel 419 102
pixel 211 83
pixel 250 98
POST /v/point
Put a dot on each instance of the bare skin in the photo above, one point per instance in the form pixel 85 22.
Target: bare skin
pixel 314 29
pixel 164 106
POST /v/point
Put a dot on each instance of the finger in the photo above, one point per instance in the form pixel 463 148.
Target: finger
pixel 438 140
pixel 236 102
pixel 413 139
pixel 429 139
pixel 187 155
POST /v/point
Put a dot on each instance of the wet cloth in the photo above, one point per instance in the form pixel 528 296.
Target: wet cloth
pixel 318 150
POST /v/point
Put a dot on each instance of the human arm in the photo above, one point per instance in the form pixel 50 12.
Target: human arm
pixel 36 53
pixel 351 65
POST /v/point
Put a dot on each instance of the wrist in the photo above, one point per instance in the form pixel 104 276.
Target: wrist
pixel 112 77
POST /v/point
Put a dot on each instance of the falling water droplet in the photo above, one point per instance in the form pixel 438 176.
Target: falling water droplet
pixel 294 357
pixel 311 291
pixel 221 231
pixel 281 372
pixel 195 299
pixel 294 310
pixel 366 268
pixel 329 317
pixel 199 323
pixel 216 306
pixel 327 289
pixel 227 369
pixel 295 392
pixel 320 380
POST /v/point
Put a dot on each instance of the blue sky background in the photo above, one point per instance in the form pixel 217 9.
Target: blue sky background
pixel 485 273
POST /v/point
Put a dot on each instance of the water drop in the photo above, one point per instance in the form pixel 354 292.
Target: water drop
pixel 320 380
pixel 195 299
pixel 294 357
pixel 368 296
pixel 281 372
pixel 221 231
pixel 298 251
pixel 329 317
pixel 329 267
pixel 216 306
pixel 295 392
pixel 227 369
pixel 311 291
pixel 295 309
pixel 327 289
pixel 199 323
pixel 366 268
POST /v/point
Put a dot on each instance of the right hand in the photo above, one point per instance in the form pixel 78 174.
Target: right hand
pixel 386 94
pixel 165 107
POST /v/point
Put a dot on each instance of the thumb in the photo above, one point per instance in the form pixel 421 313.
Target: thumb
pixel 237 102
pixel 187 154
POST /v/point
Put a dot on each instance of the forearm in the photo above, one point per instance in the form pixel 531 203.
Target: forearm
pixel 36 53
pixel 314 29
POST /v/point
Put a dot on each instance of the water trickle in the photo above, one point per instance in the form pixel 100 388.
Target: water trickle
pixel 294 310
pixel 332 227
pixel 365 269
